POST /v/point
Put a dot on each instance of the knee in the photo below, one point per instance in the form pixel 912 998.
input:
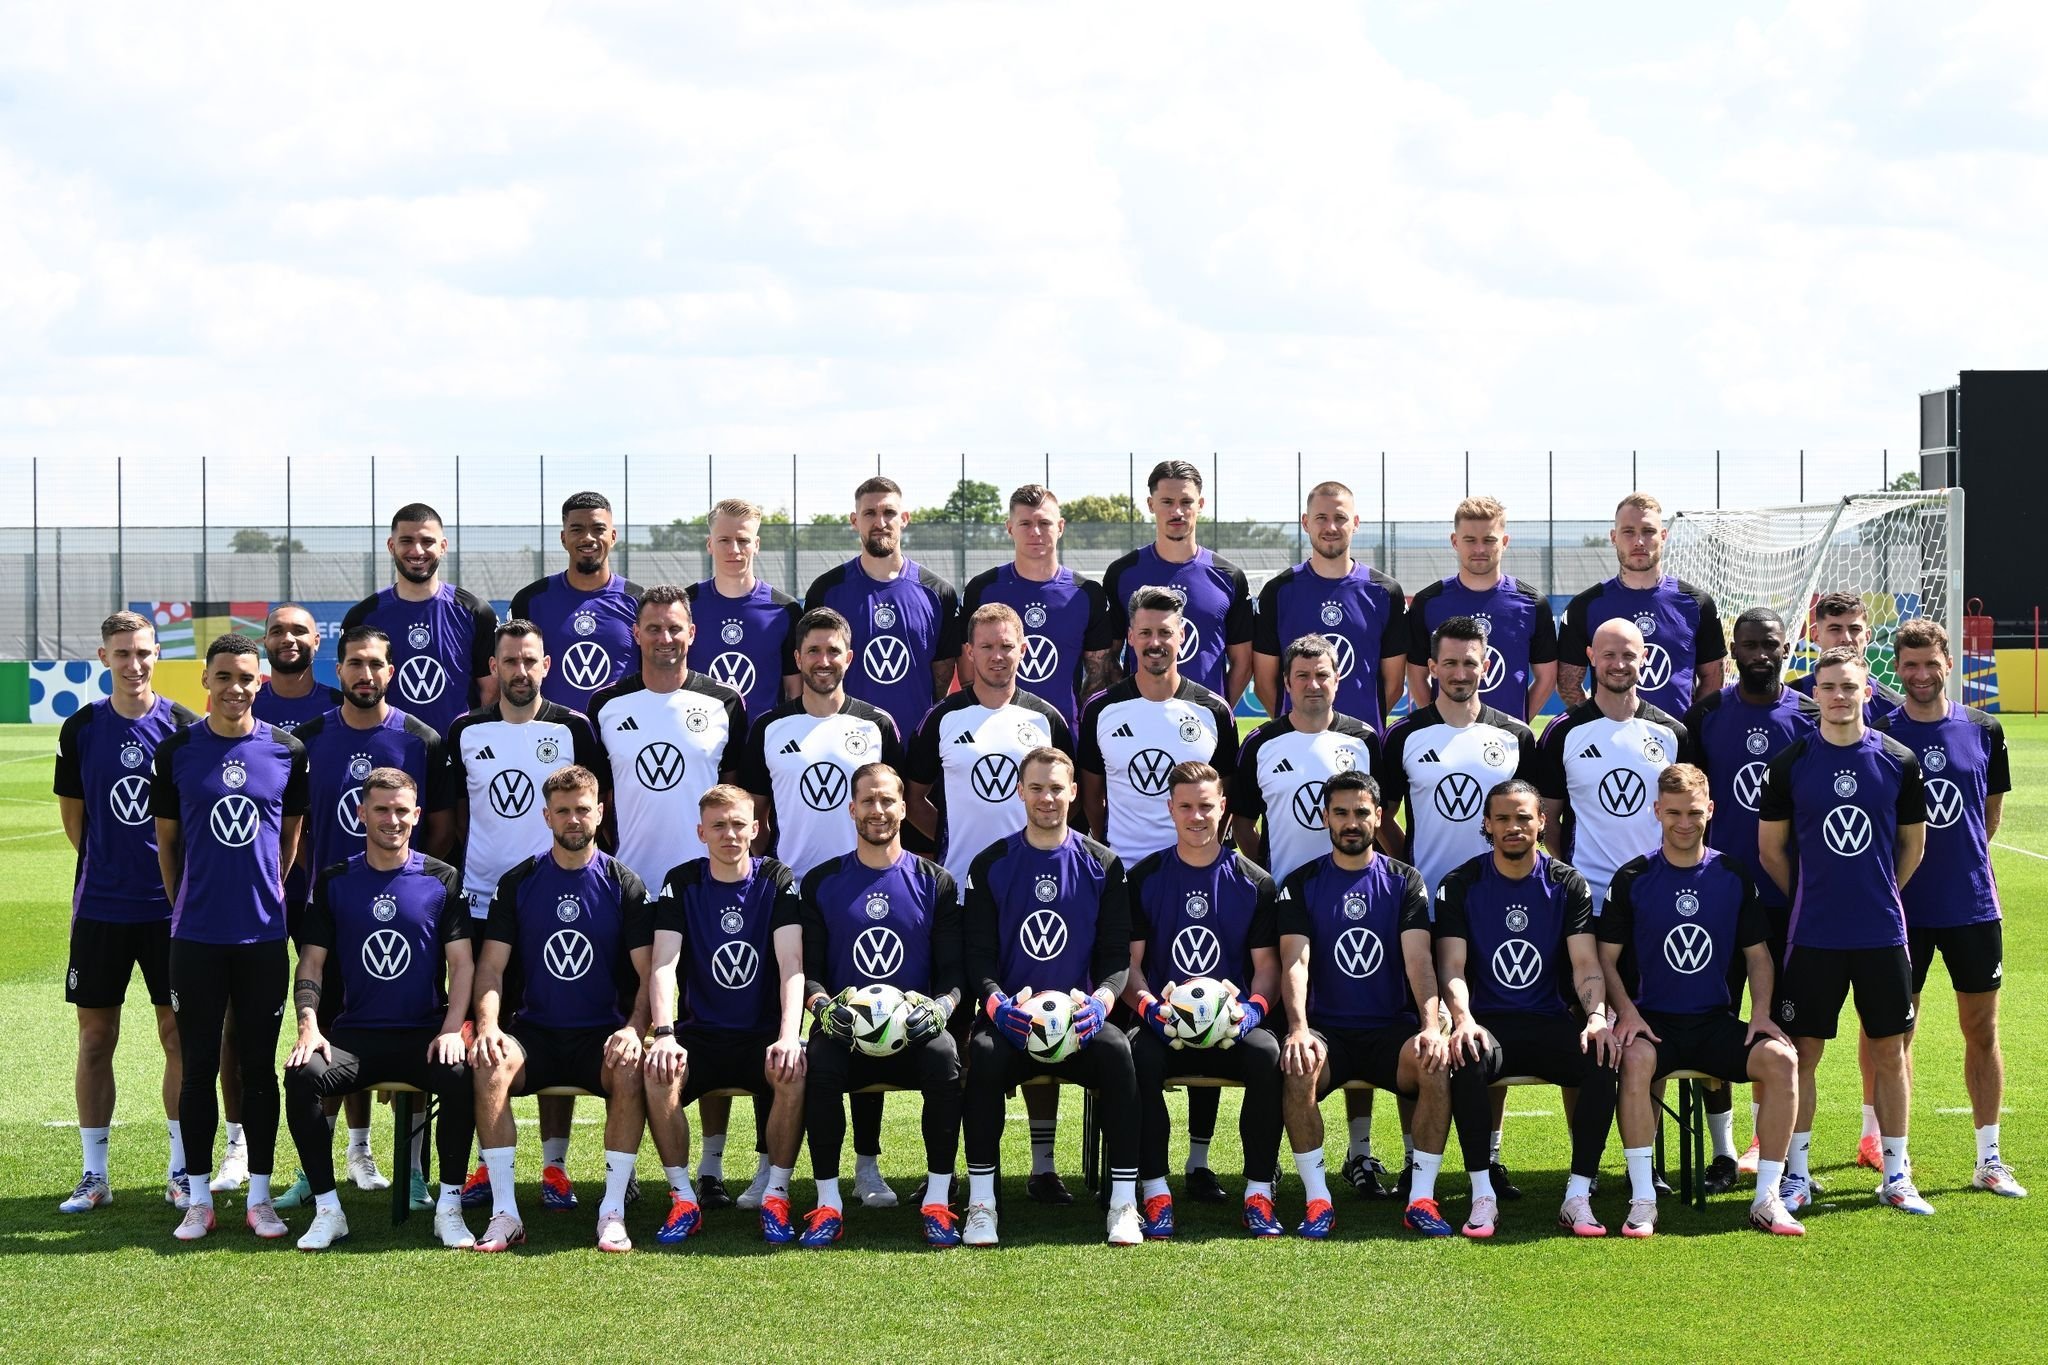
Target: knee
pixel 97 1038
pixel 1979 1021
pixel 623 1082
pixel 1776 1064
pixel 1639 1064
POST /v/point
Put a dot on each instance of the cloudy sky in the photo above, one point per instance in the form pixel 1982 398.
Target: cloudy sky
pixel 417 232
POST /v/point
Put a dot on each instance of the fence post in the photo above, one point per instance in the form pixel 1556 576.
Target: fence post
pixel 1298 495
pixel 458 521
pixel 1717 480
pixel 284 563
pixel 1550 538
pixel 626 516
pixel 1386 549
pixel 120 540
pixel 370 557
pixel 59 553
pixel 1802 474
pixel 1131 498
pixel 35 547
pixel 540 563
pixel 795 589
pixel 204 517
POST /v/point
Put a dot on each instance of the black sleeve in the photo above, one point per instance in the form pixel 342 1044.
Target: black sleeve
pixel 588 750
pixel 753 774
pixel 1529 757
pixel 1450 920
pixel 1775 801
pixel 1265 926
pixel 451 758
pixel 735 738
pixel 1692 749
pixel 1414 901
pixel 455 923
pixel 1099 633
pixel 1543 647
pixel 1224 760
pixel 316 929
pixel 352 618
pixel 1752 926
pixel 789 640
pixel 483 636
pixel 298 782
pixel 952 626
pixel 1549 779
pixel 1394 636
pixel 970 602
pixel 978 921
pixel 522 601
pixel 921 757
pixel 1578 904
pixel 1141 923
pixel 1111 959
pixel 163 787
pixel 1618 911
pixel 1575 636
pixel 1266 624
pixel 1708 642
pixel 1062 737
pixel 436 796
pixel 1418 634
pixel 1391 773
pixel 502 924
pixel 635 910
pixel 1088 755
pixel 1290 908
pixel 1911 807
pixel 1997 763
pixel 788 907
pixel 1245 798
pixel 949 958
pixel 1238 619
pixel 70 775
pixel 892 743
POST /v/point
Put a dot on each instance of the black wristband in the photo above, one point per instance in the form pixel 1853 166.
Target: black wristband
pixel 664 1031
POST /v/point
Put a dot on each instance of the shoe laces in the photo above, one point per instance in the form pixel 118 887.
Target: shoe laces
pixel 555 1178
pixel 1158 1206
pixel 817 1217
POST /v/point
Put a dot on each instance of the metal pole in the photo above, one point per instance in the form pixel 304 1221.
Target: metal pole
pixel 626 515
pixel 795 529
pixel 1131 500
pixel 284 566
pixel 1468 473
pixel 1298 499
pixel 1550 537
pixel 203 517
pixel 1048 470
pixel 960 533
pixel 540 563
pixel 370 559
pixel 120 540
pixel 35 547
pixel 1717 480
pixel 1802 475
pixel 1885 468
pixel 1216 485
pixel 1386 550
pixel 458 520
pixel 59 551
pixel 1634 483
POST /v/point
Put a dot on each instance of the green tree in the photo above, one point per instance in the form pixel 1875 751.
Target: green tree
pixel 971 503
pixel 250 541
pixel 1908 482
pixel 1100 507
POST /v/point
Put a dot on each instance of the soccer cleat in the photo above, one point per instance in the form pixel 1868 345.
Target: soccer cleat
pixel 476 1191
pixel 632 1189
pixel 502 1233
pixel 362 1168
pixel 449 1227
pixel 1124 1228
pixel 611 1231
pixel 178 1190
pixel 1721 1175
pixel 1503 1188
pixel 711 1195
pixel 1795 1192
pixel 264 1222
pixel 1576 1216
pixel 872 1191
pixel 234 1170
pixel 1899 1193
pixel 942 1226
pixel 197 1222
pixel 1746 1163
pixel 753 1196
pixel 329 1226
pixel 1998 1178
pixel 1366 1175
pixel 92 1192
pixel 557 1191
pixel 296 1194
pixel 776 1227
pixel 1423 1216
pixel 419 1196
pixel 822 1227
pixel 1768 1214
pixel 1046 1187
pixel 1156 1217
pixel 1203 1187
pixel 1657 1183
pixel 1483 1219
pixel 1258 1216
pixel 980 1229
pixel 1870 1152
pixel 1319 1219
pixel 684 1218
pixel 1642 1219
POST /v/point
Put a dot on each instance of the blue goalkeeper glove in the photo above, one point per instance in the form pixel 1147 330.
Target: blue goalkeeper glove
pixel 1011 1021
pixel 1088 1017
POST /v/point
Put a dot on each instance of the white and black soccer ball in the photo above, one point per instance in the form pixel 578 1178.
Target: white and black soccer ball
pixel 1203 1011
pixel 1052 1025
pixel 879 1020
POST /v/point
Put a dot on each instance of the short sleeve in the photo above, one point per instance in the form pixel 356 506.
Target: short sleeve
pixel 1088 756
pixel 1414 901
pixel 1708 642
pixel 1775 801
pixel 1575 635
pixel 1618 911
pixel 1450 920
pixel 1394 636
pixel 1266 627
pixel 1098 633
pixel 316 930
pixel 1291 905
pixel 70 775
pixel 1911 807
pixel 1238 618
pixel 1264 931
pixel 1246 798
pixel 298 781
pixel 1997 764
pixel 1543 648
pixel 1578 904
pixel 753 773
pixel 921 757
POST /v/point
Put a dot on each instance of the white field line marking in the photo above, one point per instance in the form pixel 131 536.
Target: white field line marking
pixel 2027 852
pixel 17 838
pixel 1527 1113
pixel 1965 1109
pixel 28 758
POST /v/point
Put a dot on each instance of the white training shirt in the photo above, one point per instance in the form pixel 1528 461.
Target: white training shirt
pixel 499 765
pixel 666 750
pixel 1280 776
pixel 1605 772
pixel 969 754
pixel 1133 745
pixel 805 765
pixel 1443 772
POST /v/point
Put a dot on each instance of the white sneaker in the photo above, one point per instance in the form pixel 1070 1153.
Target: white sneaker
pixel 197 1222
pixel 178 1190
pixel 1124 1228
pixel 234 1169
pixel 980 1230
pixel 449 1227
pixel 1768 1214
pixel 750 1198
pixel 264 1222
pixel 611 1231
pixel 1642 1218
pixel 362 1168
pixel 1998 1178
pixel 502 1233
pixel 330 1225
pixel 872 1191
pixel 1900 1194
pixel 1796 1191
pixel 92 1192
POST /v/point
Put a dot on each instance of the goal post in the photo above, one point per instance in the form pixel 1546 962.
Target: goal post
pixel 1901 552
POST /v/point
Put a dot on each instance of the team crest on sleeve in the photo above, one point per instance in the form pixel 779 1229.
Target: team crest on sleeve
pixel 1332 614
pixel 732 632
pixel 1757 741
pixel 1935 759
pixel 885 616
pixel 1493 753
pixel 584 622
pixel 1048 889
pixel 384 909
pixel 1190 730
pixel 359 766
pixel 1688 903
pixel 1035 615
pixel 857 743
pixel 1653 749
pixel 547 750
pixel 1517 919
pixel 132 755
pixel 567 909
pixel 419 636
pixel 1198 905
pixel 878 905
pixel 1354 907
pixel 732 921
pixel 1845 784
pixel 696 722
pixel 232 774
pixel 1647 624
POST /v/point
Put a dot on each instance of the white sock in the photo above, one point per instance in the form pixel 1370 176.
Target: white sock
pixel 235 1134
pixel 618 1173
pixel 417 1144
pixel 712 1164
pixel 1422 1178
pixel 1360 1129
pixel 1314 1180
pixel 678 1178
pixel 94 1141
pixel 329 1200
pixel 778 1181
pixel 1043 1131
pixel 1123 1192
pixel 451 1198
pixel 1795 1158
pixel 498 1161
pixel 1578 1186
pixel 555 1151
pixel 1493 1152
pixel 1408 1149
pixel 981 1185
pixel 1640 1184
pixel 1987 1143
pixel 1482 1181
pixel 201 1189
pixel 1722 1128
pixel 828 1195
pixel 1869 1120
pixel 1895 1163
pixel 177 1132
pixel 1154 1188
pixel 937 1188
pixel 869 1166
pixel 1252 1187
pixel 259 1189
pixel 1768 1174
pixel 358 1141
pixel 1198 1154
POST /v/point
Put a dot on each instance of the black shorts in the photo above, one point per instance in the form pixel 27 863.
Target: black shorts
pixel 1714 1043
pixel 1541 1045
pixel 1816 981
pixel 720 1060
pixel 1975 954
pixel 1369 1055
pixel 105 954
pixel 561 1057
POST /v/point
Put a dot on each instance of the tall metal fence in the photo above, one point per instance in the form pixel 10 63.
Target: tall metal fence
pixel 88 536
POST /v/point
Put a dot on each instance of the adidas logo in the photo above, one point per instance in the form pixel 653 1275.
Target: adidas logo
pixel 628 724
pixel 1590 751
pixel 966 737
pixel 790 748
pixel 1429 757
pixel 485 753
pixel 1284 767
pixel 1122 732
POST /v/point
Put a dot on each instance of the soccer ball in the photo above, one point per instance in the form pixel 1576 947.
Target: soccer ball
pixel 1204 1012
pixel 878 1020
pixel 1052 1025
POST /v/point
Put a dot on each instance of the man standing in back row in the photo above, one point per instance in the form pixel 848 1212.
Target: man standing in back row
pixel 746 629
pixel 1682 649
pixel 440 634
pixel 1215 600
pixel 1521 638
pixel 585 613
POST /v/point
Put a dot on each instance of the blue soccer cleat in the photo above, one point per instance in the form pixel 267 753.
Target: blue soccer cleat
pixel 777 1229
pixel 1320 1222
pixel 941 1227
pixel 822 1228
pixel 1422 1216
pixel 1156 1216
pixel 1259 1218
pixel 556 1191
pixel 684 1219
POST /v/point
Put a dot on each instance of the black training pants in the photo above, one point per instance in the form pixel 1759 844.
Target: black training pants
pixel 369 1056
pixel 205 979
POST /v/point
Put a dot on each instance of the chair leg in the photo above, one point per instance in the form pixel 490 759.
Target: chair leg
pixel 1698 1110
pixel 401 1161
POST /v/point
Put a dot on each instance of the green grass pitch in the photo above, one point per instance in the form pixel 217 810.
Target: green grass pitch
pixel 1966 1283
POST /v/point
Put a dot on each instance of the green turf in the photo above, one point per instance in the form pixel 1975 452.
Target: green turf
pixel 1964 1283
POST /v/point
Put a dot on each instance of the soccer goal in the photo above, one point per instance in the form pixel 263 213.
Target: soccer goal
pixel 1902 552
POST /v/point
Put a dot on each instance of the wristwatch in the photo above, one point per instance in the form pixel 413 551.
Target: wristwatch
pixel 664 1031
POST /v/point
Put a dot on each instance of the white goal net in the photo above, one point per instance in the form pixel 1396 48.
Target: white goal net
pixel 1901 552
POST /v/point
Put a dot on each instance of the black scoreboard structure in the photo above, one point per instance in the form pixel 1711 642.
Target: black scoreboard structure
pixel 1988 435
